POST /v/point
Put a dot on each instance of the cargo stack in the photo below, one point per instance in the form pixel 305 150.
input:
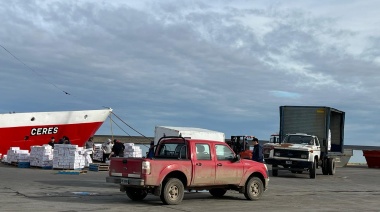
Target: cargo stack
pixel 15 155
pixel 4 159
pixel 66 156
pixel 41 156
pixel 132 151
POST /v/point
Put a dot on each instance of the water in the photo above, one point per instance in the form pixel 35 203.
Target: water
pixel 357 157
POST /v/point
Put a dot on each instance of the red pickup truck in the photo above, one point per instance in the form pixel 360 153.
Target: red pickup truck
pixel 181 164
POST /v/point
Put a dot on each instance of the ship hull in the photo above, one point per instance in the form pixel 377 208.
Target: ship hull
pixel 29 129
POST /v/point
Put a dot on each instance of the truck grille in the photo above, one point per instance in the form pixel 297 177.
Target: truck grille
pixel 289 153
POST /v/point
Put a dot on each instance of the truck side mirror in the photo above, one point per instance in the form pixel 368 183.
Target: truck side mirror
pixel 237 158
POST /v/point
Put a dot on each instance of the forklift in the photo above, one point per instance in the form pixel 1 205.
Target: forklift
pixel 239 144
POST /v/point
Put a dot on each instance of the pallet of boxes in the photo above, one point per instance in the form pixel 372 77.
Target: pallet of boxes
pixel 41 156
pixel 132 151
pixel 71 159
pixel 98 156
pixel 18 157
pixel 3 158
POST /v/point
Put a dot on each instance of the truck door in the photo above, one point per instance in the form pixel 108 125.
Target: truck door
pixel 203 165
pixel 227 170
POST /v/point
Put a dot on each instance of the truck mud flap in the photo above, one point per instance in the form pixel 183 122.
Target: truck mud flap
pixel 157 190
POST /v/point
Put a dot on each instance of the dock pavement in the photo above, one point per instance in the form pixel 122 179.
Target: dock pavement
pixel 352 188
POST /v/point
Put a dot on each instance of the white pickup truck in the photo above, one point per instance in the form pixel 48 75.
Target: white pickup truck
pixel 297 153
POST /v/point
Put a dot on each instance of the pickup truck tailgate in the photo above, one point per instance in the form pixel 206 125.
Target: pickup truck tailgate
pixel 126 167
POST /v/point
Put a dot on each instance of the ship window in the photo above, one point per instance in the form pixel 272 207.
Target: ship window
pixel 32 119
pixel 85 116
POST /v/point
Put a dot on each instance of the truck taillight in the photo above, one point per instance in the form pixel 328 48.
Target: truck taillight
pixel 145 167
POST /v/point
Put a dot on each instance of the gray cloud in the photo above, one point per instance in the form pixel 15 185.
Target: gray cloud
pixel 220 66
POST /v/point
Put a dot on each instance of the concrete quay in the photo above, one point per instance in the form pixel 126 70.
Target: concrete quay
pixel 352 188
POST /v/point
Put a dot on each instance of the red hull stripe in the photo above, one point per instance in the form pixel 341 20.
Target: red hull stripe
pixel 24 137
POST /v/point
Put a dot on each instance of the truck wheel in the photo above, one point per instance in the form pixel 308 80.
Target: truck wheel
pixel 254 189
pixel 331 166
pixel 312 172
pixel 217 192
pixel 173 192
pixel 136 194
pixel 274 171
pixel 325 167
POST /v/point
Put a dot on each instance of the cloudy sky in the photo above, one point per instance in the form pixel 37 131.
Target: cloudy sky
pixel 220 65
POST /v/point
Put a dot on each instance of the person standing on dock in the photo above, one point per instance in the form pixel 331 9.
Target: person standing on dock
pixel 107 149
pixel 257 151
pixel 51 142
pixel 151 150
pixel 89 145
pixel 62 140
pixel 67 140
pixel 117 149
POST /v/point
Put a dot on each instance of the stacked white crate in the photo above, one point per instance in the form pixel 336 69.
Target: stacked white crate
pixel 41 156
pixel 98 153
pixel 132 151
pixel 4 159
pixel 15 154
pixel 67 156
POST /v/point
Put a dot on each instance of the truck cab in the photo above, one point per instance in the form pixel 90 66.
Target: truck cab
pixel 296 153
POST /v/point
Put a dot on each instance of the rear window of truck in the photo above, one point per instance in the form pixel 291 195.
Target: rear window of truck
pixel 172 150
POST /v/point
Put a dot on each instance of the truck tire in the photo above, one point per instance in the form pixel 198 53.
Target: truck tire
pixel 254 189
pixel 217 192
pixel 331 166
pixel 274 171
pixel 325 167
pixel 173 192
pixel 136 194
pixel 312 170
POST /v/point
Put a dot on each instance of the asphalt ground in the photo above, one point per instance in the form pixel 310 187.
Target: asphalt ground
pixel 35 189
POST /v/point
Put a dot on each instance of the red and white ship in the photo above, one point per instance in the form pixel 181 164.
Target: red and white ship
pixel 36 128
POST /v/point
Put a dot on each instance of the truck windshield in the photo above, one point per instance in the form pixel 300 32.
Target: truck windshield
pixel 299 139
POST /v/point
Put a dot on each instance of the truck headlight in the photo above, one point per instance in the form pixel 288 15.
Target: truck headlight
pixel 304 156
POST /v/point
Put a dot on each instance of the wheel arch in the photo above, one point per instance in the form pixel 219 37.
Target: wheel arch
pixel 176 174
pixel 175 170
pixel 258 175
